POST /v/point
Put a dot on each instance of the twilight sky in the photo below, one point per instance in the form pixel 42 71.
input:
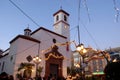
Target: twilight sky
pixel 99 28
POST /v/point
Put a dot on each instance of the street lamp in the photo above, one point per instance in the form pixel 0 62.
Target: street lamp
pixel 37 61
pixel 80 48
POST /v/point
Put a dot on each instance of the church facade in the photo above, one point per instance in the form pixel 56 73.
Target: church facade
pixel 52 47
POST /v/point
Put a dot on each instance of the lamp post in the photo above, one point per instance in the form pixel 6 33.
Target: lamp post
pixel 37 61
pixel 80 47
pixel 82 51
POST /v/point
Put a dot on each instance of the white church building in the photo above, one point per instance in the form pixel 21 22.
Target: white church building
pixel 52 47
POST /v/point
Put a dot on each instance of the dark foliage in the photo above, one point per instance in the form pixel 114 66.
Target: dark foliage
pixel 112 71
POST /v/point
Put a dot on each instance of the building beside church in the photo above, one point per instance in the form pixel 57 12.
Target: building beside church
pixel 94 62
pixel 51 46
pixel 114 53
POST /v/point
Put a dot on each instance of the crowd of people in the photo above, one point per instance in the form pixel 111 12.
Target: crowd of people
pixel 5 76
pixel 112 72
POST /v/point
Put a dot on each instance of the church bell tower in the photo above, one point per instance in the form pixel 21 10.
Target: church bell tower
pixel 61 24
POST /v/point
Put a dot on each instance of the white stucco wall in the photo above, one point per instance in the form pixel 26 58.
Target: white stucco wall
pixel 23 48
pixel 46 39
pixel 6 63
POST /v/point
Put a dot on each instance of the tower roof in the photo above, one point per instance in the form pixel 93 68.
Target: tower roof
pixel 61 10
pixel 27 29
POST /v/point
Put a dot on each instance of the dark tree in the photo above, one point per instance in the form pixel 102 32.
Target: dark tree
pixel 112 71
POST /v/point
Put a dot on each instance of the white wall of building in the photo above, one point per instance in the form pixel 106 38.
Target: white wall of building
pixel 21 48
pixel 46 43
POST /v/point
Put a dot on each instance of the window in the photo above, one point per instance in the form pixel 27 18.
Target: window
pixel 100 62
pixel 57 18
pixel 94 62
pixel 3 66
pixel 94 66
pixel 100 65
pixel 11 58
pixel 65 18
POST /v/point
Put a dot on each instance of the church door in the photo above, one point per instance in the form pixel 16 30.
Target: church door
pixel 54 70
pixel 53 67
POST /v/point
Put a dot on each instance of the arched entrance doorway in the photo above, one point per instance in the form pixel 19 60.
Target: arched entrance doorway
pixel 53 65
